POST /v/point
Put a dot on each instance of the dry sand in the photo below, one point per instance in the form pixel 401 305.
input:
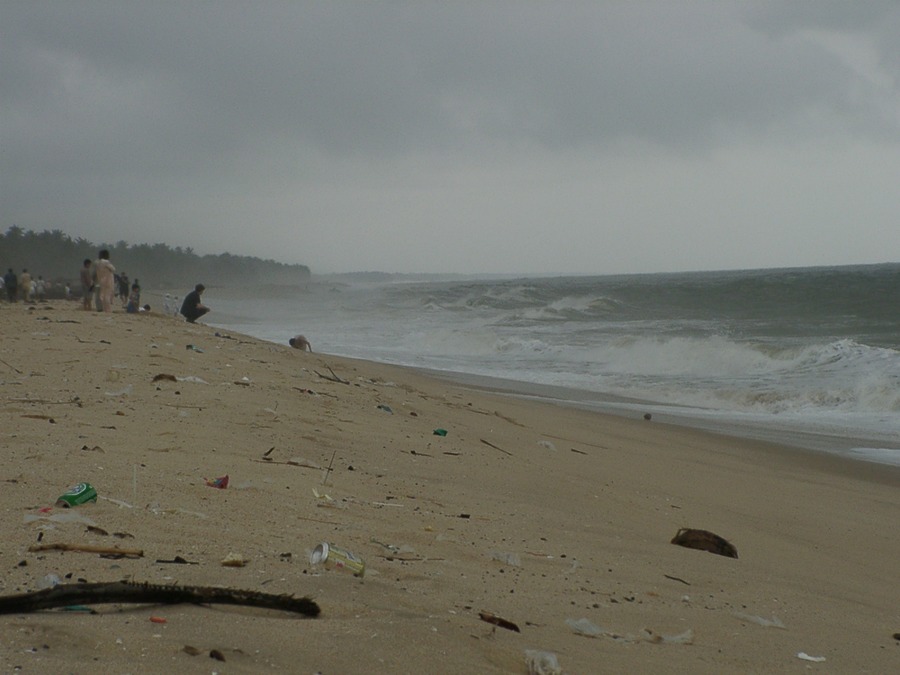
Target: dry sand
pixel 535 513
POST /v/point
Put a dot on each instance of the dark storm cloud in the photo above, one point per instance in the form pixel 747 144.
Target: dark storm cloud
pixel 198 116
pixel 393 78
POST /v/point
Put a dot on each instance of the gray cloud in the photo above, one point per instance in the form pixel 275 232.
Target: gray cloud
pixel 191 120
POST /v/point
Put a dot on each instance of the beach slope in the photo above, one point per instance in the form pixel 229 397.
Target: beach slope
pixel 542 516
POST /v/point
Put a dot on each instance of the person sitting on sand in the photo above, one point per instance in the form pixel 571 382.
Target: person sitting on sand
pixel 301 343
pixel 192 309
pixel 134 300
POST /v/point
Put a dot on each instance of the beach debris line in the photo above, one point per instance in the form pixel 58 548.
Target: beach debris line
pixel 64 595
pixel 704 540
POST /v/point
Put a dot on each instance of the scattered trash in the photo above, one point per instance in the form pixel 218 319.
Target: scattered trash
pixel 194 348
pixel 511 559
pixel 157 619
pixel 322 495
pixel 233 560
pixel 648 416
pixel 542 663
pixel 547 444
pixel 704 540
pixel 64 517
pixel 121 392
pixel 82 493
pixel 333 557
pixel 48 581
pixel 192 378
pixel 164 376
pixel 439 432
pixel 585 627
pixel 216 654
pixel 221 483
pixel 498 621
pixel 588 629
pixel 685 638
pixel 386 408
pixel 807 657
pixel 774 622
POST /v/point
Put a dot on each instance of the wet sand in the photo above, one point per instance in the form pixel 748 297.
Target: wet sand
pixel 526 510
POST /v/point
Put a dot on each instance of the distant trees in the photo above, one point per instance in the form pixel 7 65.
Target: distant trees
pixel 56 256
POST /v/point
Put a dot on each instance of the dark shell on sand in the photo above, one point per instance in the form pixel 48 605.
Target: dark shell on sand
pixel 703 540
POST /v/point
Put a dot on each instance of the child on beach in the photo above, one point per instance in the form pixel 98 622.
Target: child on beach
pixel 134 300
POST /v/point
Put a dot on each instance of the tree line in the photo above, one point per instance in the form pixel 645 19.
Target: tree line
pixel 58 257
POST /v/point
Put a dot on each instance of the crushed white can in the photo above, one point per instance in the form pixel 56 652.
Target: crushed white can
pixel 333 557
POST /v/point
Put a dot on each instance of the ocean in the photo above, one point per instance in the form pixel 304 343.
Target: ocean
pixel 809 357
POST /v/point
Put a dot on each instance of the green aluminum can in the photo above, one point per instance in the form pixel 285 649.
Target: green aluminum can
pixel 78 495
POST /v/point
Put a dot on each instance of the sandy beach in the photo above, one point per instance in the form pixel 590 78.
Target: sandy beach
pixel 537 514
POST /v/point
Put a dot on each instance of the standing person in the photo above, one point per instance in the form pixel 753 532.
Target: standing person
pixel 123 288
pixel 106 277
pixel 40 289
pixel 25 283
pixel 192 309
pixel 12 285
pixel 87 284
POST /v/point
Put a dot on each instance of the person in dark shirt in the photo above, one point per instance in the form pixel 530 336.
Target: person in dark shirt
pixel 12 285
pixel 192 309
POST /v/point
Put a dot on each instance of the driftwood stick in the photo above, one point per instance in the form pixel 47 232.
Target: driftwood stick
pixel 496 447
pixel 332 378
pixel 127 592
pixel 10 366
pixel 84 548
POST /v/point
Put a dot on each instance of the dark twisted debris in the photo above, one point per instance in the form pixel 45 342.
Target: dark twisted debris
pixel 65 595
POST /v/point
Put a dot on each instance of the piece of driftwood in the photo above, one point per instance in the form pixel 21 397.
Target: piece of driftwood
pixel 498 621
pixel 65 595
pixel 703 540
pixel 333 378
pixel 83 548
pixel 496 447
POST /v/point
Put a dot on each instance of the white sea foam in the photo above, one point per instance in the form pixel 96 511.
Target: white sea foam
pixel 817 356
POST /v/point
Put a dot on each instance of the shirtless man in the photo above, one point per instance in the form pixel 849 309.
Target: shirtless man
pixel 301 343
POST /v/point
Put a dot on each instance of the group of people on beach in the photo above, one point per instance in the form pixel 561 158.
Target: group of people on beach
pixel 33 289
pixel 100 284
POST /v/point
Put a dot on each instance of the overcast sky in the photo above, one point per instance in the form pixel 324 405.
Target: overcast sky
pixel 460 136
